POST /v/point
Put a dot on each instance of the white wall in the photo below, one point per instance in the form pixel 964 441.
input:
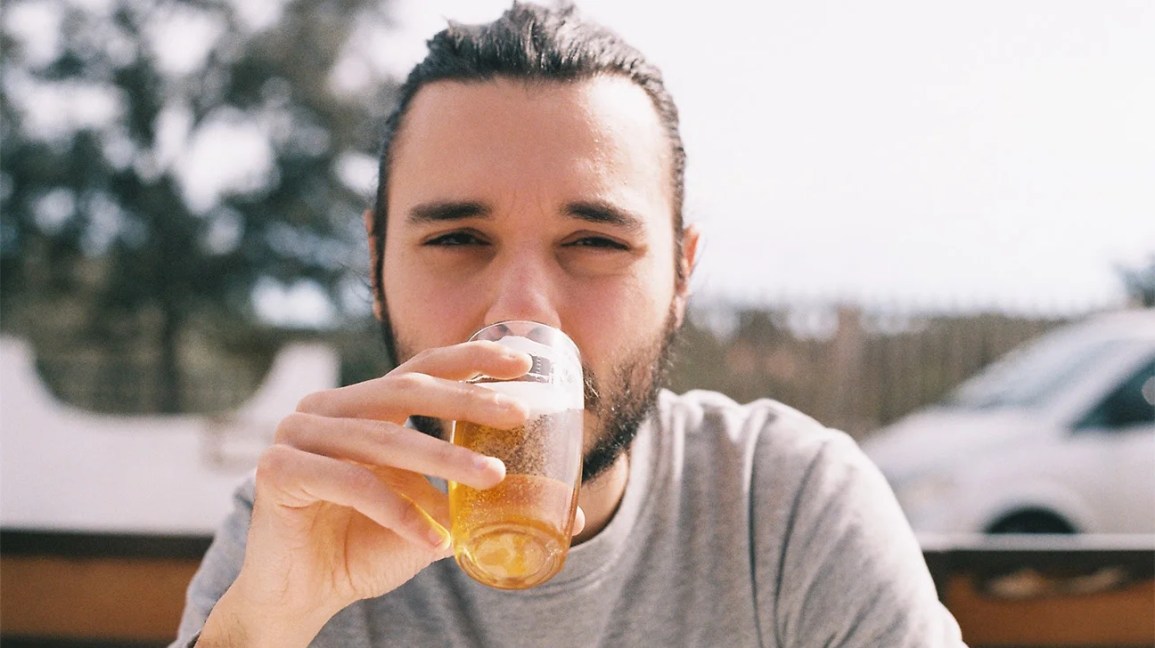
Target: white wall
pixel 63 468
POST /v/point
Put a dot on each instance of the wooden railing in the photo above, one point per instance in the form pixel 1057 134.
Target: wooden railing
pixel 68 590
pixel 1044 591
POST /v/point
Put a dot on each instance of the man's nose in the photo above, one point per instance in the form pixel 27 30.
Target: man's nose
pixel 523 286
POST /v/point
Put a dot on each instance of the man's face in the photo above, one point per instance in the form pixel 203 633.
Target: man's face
pixel 549 202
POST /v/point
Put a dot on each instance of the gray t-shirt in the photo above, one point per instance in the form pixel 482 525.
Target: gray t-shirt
pixel 741 525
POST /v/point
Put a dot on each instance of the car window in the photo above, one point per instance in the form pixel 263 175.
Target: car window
pixel 1030 376
pixel 1131 403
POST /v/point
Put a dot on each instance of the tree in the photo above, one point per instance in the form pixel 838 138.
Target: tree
pixel 114 125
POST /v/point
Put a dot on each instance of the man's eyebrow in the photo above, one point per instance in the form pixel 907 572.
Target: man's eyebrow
pixel 434 212
pixel 597 211
pixel 604 213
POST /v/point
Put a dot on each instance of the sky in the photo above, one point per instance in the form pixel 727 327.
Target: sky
pixel 987 154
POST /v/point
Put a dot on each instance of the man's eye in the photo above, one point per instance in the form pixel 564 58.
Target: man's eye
pixel 600 242
pixel 453 239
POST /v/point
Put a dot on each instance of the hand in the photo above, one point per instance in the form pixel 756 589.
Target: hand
pixel 343 509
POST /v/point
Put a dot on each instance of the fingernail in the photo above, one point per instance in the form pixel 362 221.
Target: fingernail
pixel 489 464
pixel 439 537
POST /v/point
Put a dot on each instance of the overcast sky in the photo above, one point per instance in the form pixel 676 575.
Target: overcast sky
pixel 985 153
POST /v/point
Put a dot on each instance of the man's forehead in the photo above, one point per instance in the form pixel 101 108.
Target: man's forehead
pixel 597 134
pixel 617 105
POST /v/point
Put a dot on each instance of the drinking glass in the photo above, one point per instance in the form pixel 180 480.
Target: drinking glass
pixel 516 535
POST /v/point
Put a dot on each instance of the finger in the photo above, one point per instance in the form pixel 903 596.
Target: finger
pixel 398 396
pixel 452 364
pixel 380 443
pixel 469 360
pixel 430 498
pixel 301 479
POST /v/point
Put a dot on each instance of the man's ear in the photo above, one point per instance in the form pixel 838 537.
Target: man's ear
pixel 691 238
pixel 374 265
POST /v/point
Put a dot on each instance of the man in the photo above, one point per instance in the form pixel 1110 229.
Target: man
pixel 533 170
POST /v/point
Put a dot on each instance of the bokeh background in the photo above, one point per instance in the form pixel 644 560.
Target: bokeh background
pixel 893 195
pixel 181 184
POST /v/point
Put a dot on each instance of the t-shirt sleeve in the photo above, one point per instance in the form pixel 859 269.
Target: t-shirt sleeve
pixel 846 570
pixel 218 569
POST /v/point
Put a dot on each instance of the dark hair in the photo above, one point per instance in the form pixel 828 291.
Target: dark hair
pixel 532 43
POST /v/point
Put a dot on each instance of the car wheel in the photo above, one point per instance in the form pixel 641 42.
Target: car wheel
pixel 1033 521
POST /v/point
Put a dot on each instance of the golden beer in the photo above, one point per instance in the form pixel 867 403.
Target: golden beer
pixel 516 534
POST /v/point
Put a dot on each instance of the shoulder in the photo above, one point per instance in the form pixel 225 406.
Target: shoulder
pixel 833 559
pixel 791 466
pixel 768 430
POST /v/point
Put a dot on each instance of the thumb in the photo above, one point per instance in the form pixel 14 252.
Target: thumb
pixel 579 521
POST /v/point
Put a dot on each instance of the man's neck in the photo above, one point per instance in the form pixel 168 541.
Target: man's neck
pixel 600 498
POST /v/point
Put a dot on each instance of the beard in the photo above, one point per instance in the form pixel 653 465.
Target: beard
pixel 622 405
pixel 619 404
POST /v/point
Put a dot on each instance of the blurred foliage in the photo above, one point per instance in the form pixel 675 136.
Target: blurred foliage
pixel 108 240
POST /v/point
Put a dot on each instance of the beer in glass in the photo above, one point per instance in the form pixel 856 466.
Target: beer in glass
pixel 516 534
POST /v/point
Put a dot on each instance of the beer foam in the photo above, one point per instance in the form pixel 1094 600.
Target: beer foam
pixel 542 398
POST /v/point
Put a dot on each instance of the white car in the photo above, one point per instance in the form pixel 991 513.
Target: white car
pixel 1056 437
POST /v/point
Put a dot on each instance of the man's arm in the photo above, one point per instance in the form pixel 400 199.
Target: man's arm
pixel 342 508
